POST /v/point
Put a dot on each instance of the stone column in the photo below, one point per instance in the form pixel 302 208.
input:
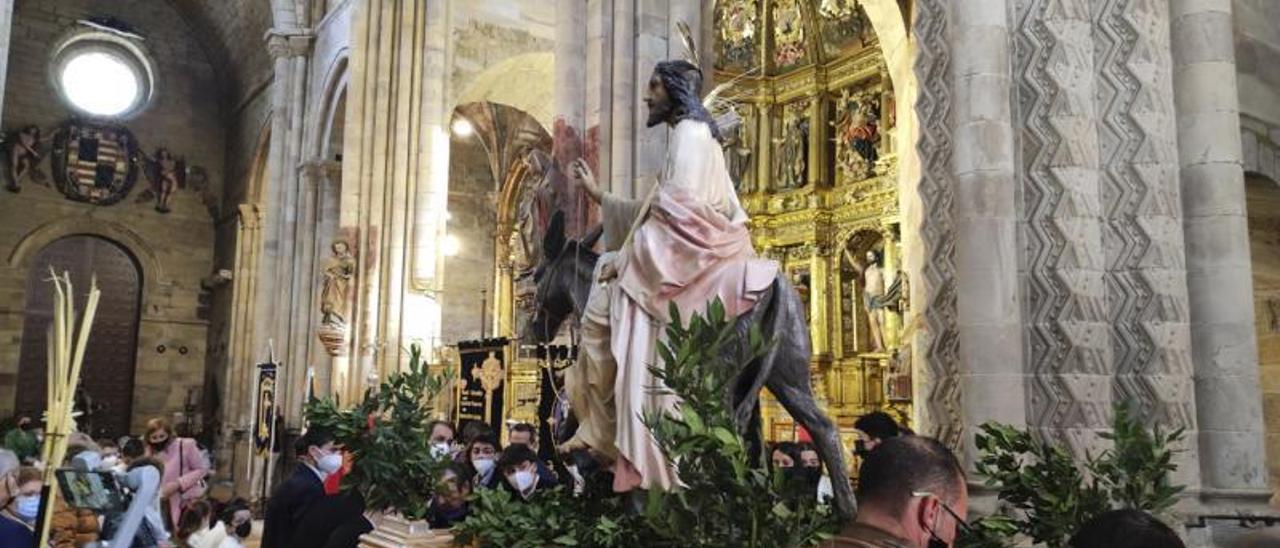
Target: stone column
pixel 1219 274
pixel 987 297
pixel 1067 356
pixel 6 29
pixel 571 65
pixel 290 47
pixel 241 355
pixel 1146 281
pixel 385 133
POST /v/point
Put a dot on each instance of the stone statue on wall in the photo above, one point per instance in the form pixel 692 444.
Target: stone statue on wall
pixel 874 299
pixel 338 275
pixel 167 173
pixel 24 153
pixel 791 163
pixel 738 152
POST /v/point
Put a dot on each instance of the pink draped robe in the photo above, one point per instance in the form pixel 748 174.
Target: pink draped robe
pixel 692 247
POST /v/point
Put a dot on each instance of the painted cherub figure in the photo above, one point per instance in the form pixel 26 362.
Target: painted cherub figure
pixel 24 153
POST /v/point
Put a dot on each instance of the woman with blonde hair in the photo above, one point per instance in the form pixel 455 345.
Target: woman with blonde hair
pixel 184 467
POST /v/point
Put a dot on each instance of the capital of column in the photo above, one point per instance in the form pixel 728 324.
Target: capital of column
pixel 250 215
pixel 319 169
pixel 284 43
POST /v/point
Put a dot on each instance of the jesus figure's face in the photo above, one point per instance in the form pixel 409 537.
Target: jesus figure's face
pixel 658 101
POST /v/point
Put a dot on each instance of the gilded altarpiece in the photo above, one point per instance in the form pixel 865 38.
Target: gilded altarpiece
pixel 818 175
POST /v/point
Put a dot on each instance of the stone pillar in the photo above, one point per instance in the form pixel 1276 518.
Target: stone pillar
pixel 571 64
pixel 288 325
pixel 1067 357
pixel 1146 281
pixel 6 29
pixel 1219 274
pixel 633 37
pixel 987 297
pixel 385 133
pixel 241 355
pixel 933 294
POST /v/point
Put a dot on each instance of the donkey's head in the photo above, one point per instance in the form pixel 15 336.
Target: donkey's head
pixel 563 280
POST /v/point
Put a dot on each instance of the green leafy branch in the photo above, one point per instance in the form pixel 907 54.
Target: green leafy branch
pixel 1050 495
pixel 386 434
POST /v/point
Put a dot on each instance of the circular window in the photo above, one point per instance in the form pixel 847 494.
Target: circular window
pixel 100 83
pixel 101 75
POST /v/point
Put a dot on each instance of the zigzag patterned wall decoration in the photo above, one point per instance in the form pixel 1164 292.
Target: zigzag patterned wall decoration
pixel 942 411
pixel 1064 307
pixel 1146 281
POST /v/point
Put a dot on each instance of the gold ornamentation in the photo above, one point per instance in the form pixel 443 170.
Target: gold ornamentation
pixel 738 21
pixel 788 34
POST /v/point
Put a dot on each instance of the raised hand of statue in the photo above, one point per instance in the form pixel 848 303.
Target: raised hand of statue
pixel 607 273
pixel 582 172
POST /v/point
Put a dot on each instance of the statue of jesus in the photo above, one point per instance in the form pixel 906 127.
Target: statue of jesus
pixel 689 246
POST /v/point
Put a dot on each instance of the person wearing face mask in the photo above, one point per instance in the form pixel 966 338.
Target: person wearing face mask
pixel 196 528
pixel 872 429
pixel 70 527
pixel 20 497
pixel 236 518
pixel 109 453
pixel 911 494
pixel 184 466
pixel 317 458
pixel 441 439
pixel 481 457
pixel 811 463
pixel 141 525
pixel 449 504
pixel 519 466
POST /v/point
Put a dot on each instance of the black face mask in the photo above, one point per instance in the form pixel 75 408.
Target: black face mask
pixel 244 529
pixel 159 446
pixel 811 474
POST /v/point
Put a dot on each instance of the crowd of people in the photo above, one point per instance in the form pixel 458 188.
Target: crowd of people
pixel 911 490
pixel 162 475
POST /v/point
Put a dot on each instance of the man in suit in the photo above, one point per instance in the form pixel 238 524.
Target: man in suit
pixel 317 458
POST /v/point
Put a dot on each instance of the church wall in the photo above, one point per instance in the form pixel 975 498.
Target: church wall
pixel 481 36
pixel 1257 52
pixel 1263 197
pixel 473 219
pixel 1257 45
pixel 176 248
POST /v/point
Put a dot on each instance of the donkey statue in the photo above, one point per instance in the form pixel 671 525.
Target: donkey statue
pixel 564 279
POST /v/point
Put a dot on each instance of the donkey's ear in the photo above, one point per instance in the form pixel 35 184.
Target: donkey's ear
pixel 589 241
pixel 553 240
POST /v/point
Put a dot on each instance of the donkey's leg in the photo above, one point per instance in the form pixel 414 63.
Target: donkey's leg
pixel 790 384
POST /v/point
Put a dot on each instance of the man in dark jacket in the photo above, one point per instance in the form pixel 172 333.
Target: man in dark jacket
pixel 317 458
pixel 519 469
pixel 911 494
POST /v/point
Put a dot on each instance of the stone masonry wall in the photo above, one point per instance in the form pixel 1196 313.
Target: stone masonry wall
pixel 175 249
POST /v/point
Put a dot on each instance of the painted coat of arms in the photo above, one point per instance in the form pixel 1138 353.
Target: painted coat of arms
pixel 94 163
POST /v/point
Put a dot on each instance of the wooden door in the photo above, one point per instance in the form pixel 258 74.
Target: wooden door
pixel 106 395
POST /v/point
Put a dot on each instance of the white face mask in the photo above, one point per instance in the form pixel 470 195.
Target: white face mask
pixel 439 450
pixel 329 463
pixel 483 465
pixel 109 462
pixel 522 481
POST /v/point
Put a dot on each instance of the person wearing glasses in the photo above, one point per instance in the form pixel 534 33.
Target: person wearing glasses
pixel 911 494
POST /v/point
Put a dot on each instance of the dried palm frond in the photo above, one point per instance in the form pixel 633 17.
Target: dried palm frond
pixel 690 48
